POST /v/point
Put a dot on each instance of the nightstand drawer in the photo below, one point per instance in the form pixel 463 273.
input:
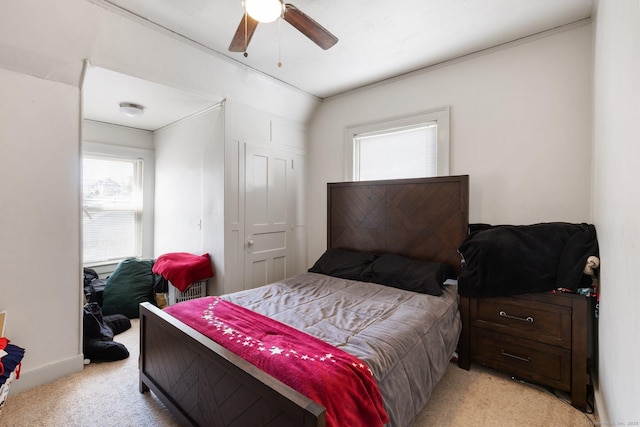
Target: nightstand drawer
pixel 528 360
pixel 540 337
pixel 536 321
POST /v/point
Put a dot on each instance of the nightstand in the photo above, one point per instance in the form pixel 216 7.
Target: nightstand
pixel 543 338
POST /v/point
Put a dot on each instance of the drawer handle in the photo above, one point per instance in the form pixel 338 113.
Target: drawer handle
pixel 528 319
pixel 513 356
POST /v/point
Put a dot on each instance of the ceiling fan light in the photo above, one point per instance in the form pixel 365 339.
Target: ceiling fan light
pixel 131 110
pixel 264 10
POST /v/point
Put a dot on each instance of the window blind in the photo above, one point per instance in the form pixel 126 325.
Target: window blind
pixel 409 152
pixel 112 209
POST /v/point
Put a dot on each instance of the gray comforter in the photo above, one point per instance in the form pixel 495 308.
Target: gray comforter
pixel 406 338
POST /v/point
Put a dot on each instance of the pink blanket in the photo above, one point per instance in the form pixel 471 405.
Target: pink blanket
pixel 182 268
pixel 331 377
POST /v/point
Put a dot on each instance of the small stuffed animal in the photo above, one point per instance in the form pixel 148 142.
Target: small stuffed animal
pixel 593 262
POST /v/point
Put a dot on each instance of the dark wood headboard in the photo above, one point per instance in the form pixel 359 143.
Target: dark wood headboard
pixel 424 218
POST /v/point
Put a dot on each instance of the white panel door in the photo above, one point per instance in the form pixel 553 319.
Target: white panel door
pixel 268 249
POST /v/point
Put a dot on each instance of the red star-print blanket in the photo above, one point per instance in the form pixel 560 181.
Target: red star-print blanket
pixel 331 377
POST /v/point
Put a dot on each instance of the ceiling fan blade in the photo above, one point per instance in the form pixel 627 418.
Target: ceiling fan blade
pixel 310 28
pixel 243 34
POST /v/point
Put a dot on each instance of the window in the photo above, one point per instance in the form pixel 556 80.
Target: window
pixel 397 153
pixel 408 147
pixel 112 208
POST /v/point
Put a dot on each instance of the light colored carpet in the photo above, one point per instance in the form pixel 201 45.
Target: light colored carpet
pixel 106 394
pixel 103 394
pixel 483 397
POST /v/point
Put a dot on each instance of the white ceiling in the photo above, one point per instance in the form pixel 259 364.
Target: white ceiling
pixel 103 91
pixel 377 39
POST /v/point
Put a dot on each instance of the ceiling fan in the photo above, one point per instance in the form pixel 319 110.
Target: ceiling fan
pixel 268 11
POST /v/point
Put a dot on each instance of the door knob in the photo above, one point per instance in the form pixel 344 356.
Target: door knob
pixel 250 242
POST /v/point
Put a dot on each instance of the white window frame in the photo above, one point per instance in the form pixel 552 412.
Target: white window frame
pixel 439 115
pixel 145 230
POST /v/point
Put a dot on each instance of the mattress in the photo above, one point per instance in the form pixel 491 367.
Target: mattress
pixel 406 338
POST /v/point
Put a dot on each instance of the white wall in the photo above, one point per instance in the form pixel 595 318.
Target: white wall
pixel 616 205
pixel 189 201
pixel 40 224
pixel 42 53
pixel 119 136
pixel 520 127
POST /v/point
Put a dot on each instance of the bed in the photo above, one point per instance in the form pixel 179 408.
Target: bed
pixel 203 383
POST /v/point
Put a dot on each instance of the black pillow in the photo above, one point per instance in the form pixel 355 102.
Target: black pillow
pixel 409 274
pixel 342 263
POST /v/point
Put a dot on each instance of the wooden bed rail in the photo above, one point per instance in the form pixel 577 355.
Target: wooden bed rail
pixel 202 383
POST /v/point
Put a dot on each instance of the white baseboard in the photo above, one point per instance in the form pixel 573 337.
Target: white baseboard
pixel 46 374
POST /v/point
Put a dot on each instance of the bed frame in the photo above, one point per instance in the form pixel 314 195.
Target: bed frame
pixel 204 384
